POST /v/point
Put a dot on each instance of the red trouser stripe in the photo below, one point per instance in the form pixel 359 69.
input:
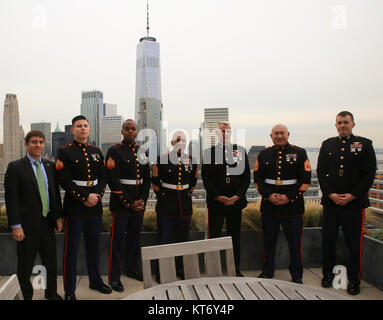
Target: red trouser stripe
pixel 65 252
pixel 179 202
pixel 111 249
pixel 361 245
pixel 302 241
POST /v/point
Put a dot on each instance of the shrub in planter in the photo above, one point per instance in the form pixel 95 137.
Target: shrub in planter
pixel 377 234
pixel 251 217
pixel 313 215
pixel 3 219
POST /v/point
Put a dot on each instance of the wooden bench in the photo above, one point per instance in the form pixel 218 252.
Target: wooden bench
pixel 189 251
pixel 238 288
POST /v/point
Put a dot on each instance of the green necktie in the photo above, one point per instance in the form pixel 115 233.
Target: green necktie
pixel 42 190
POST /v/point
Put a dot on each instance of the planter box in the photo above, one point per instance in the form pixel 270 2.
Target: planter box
pixel 8 257
pixel 372 268
pixel 251 253
pixel 252 250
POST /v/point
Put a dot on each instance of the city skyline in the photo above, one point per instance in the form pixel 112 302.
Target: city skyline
pixel 296 62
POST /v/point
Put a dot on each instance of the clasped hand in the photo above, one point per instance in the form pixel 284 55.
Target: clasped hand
pixel 341 199
pixel 92 200
pixel 278 199
pixel 138 205
pixel 228 201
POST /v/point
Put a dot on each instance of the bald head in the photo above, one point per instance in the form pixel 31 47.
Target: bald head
pixel 279 127
pixel 280 135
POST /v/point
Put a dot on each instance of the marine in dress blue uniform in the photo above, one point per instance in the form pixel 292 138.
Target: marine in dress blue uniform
pixel 129 181
pixel 174 178
pixel 346 170
pixel 81 173
pixel 282 173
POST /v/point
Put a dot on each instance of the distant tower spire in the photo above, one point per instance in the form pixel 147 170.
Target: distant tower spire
pixel 147 18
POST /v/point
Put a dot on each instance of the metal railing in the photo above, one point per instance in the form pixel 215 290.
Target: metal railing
pixel 253 196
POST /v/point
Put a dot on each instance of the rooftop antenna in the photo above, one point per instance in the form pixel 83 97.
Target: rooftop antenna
pixel 147 38
pixel 147 18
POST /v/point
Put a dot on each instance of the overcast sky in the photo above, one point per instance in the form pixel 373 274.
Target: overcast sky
pixel 297 62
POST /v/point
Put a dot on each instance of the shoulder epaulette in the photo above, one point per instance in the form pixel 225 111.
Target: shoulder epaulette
pixel 117 145
pixel 331 139
pixel 296 147
pixel 66 146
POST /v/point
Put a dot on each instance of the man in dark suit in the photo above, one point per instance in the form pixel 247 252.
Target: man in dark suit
pixel 226 178
pixel 33 203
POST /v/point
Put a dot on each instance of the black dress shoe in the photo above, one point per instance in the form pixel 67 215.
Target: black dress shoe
pixel 353 288
pixel 135 275
pixel 265 276
pixel 71 296
pixel 297 280
pixel 102 288
pixel 117 286
pixel 181 275
pixel 239 274
pixel 54 297
pixel 327 281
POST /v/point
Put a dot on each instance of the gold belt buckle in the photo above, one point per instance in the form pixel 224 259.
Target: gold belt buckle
pixel 227 179
pixel 278 182
pixel 179 187
pixel 138 181
pixel 90 183
pixel 341 173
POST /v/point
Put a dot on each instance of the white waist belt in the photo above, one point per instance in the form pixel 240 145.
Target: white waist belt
pixel 131 182
pixel 175 186
pixel 281 182
pixel 91 183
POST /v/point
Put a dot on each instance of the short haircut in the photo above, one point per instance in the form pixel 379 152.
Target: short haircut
pixel 225 123
pixel 127 120
pixel 34 133
pixel 80 117
pixel 345 114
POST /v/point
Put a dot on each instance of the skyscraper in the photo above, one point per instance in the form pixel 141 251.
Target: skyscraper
pixel 212 116
pixel 92 107
pixel 11 126
pixel 45 127
pixel 60 138
pixel 110 127
pixel 23 150
pixel 148 104
pixel 110 109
